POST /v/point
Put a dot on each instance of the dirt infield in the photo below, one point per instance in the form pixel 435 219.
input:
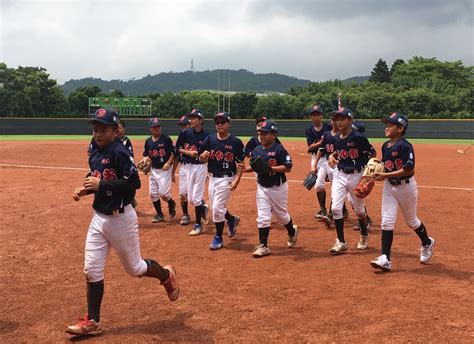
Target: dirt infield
pixel 295 295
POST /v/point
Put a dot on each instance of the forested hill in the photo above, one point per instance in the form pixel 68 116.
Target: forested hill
pixel 240 80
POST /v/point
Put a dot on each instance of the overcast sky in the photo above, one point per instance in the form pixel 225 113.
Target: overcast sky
pixel 316 40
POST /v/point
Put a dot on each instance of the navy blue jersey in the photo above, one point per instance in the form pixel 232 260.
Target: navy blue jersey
pixel 254 142
pixel 190 140
pixel 119 177
pixel 400 155
pixel 353 151
pixel 223 154
pixel 313 135
pixel 328 146
pixel 158 151
pixel 276 155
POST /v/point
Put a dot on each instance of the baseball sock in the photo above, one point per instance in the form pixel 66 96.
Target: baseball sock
pixel 157 205
pixel 199 210
pixel 289 227
pixel 344 208
pixel 95 292
pixel 321 199
pixel 155 270
pixel 340 229
pixel 171 205
pixel 363 227
pixel 387 238
pixel 423 235
pixel 220 228
pixel 263 235
pixel 184 207
pixel 229 216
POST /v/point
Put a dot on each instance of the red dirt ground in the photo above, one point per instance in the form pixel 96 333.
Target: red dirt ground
pixel 295 295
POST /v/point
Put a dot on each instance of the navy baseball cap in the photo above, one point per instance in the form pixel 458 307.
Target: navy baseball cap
pixel 260 119
pixel 222 115
pixel 358 126
pixel 343 112
pixel 316 109
pixel 268 125
pixel 184 120
pixel 396 118
pixel 154 122
pixel 196 113
pixel 106 116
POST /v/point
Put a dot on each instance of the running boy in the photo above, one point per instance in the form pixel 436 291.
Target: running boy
pixel 352 151
pixel 272 189
pixel 159 149
pixel 113 179
pixel 222 152
pixel 188 144
pixel 399 190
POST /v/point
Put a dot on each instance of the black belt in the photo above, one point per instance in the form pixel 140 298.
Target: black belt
pixel 120 210
pixel 399 181
pixel 350 170
pixel 278 182
pixel 221 175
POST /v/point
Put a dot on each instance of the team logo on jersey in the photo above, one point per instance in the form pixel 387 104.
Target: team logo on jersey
pixel 288 158
pixel 395 153
pixel 389 165
pixel 101 112
pixel 399 164
pixel 271 154
pixel 229 156
pixel 105 161
pixel 272 162
pixel 411 156
pixel 229 147
pixel 353 153
pixel 343 154
pixel 153 153
pixel 162 152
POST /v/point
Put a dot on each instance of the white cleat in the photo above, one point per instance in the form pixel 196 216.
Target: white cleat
pixel 426 252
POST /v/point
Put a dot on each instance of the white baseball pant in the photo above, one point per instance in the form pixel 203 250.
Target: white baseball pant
pixel 183 188
pixel 196 175
pixel 405 196
pixel 323 171
pixel 160 184
pixel 272 200
pixel 219 195
pixel 117 231
pixel 343 184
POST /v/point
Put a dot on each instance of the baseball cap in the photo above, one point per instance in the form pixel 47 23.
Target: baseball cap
pixel 396 118
pixel 184 120
pixel 196 113
pixel 261 119
pixel 358 126
pixel 343 112
pixel 268 125
pixel 105 116
pixel 316 109
pixel 222 115
pixel 154 122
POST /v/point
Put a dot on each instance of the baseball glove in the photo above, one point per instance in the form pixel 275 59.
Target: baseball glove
pixel 260 166
pixel 310 180
pixel 144 165
pixel 367 181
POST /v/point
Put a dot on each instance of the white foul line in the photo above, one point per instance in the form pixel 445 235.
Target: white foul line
pixel 289 180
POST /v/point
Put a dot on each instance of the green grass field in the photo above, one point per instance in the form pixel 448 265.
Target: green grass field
pixel 143 137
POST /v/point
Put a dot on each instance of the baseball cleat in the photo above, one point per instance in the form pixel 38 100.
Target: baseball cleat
pixel 261 251
pixel 426 252
pixel 338 247
pixel 363 242
pixel 197 229
pixel 327 219
pixel 233 226
pixel 85 327
pixel 205 215
pixel 216 243
pixel 322 212
pixel 292 240
pixel 185 220
pixel 381 262
pixel 158 218
pixel 171 284
pixel 172 208
pixel 357 226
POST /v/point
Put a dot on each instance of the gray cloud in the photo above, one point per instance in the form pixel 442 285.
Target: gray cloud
pixel 315 40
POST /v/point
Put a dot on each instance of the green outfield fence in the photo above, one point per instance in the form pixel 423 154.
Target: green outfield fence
pixel 417 128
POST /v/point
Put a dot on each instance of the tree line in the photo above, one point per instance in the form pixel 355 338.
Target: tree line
pixel 420 87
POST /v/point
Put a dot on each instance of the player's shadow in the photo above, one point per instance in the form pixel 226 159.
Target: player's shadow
pixel 168 330
pixel 438 270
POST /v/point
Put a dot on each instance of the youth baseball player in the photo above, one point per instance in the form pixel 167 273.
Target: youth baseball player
pixel 113 179
pixel 352 151
pixel 183 196
pixel 314 134
pixel 272 188
pixel 188 144
pixel 222 152
pixel 254 141
pixel 159 149
pixel 399 190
